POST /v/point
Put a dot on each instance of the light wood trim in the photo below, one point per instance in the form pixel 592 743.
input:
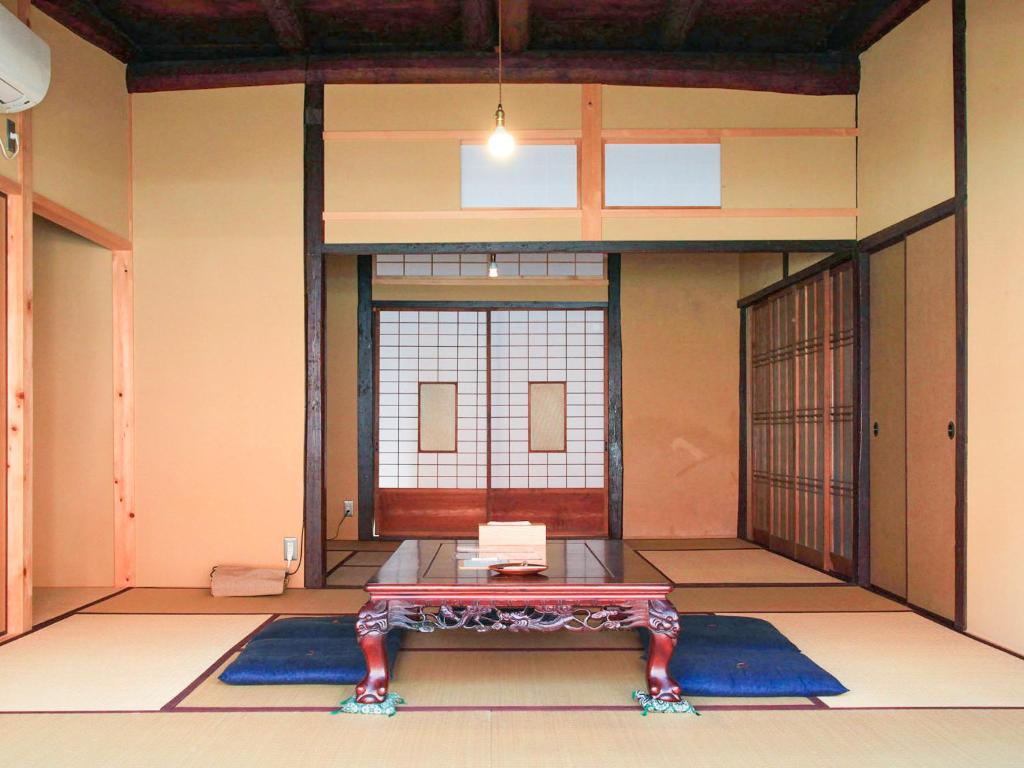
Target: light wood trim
pixel 539 135
pixel 73 222
pixel 493 281
pixel 728 213
pixel 9 186
pixel 828 473
pixel 609 213
pixel 19 383
pixel 124 419
pixel 591 164
pixel 465 213
pixel 656 135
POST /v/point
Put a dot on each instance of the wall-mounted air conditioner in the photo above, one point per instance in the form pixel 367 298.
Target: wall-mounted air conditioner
pixel 24 65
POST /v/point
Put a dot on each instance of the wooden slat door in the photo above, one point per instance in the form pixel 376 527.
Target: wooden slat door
pixel 802 383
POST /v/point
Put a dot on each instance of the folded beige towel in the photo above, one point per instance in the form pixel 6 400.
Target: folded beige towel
pixel 246 581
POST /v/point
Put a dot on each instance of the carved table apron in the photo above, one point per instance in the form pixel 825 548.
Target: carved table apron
pixel 515 614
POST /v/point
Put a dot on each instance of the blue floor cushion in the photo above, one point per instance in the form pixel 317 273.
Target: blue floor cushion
pixel 742 656
pixel 320 650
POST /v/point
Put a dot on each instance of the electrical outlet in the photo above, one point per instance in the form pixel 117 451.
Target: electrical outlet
pixel 349 508
pixel 291 547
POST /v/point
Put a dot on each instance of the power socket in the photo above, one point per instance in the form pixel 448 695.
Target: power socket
pixel 349 508
pixel 291 548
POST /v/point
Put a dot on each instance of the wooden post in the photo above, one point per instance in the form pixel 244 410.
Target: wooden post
pixel 19 383
pixel 314 498
pixel 124 419
pixel 591 164
pixel 615 457
pixel 365 393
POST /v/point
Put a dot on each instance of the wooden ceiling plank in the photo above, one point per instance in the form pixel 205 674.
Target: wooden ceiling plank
pixel 813 74
pixel 291 35
pixel 87 21
pixel 680 17
pixel 515 23
pixel 868 21
pixel 478 19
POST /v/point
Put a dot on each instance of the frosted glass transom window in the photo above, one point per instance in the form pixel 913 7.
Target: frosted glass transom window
pixel 670 175
pixel 535 176
pixel 586 266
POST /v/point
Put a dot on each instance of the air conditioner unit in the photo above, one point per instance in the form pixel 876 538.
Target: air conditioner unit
pixel 24 65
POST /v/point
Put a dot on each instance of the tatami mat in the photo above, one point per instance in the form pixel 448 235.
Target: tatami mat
pixel 369 558
pixel 477 679
pixel 688 544
pixel 779 599
pixel 333 557
pixel 298 601
pixel 748 566
pixel 113 662
pixel 904 660
pixel 351 575
pixel 50 602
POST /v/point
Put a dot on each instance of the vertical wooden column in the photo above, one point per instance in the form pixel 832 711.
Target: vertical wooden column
pixel 591 164
pixel 124 419
pixel 741 505
pixel 314 510
pixel 862 404
pixel 614 341
pixel 19 382
pixel 365 393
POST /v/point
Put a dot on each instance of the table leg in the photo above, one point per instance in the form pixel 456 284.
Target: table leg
pixel 371 629
pixel 663 621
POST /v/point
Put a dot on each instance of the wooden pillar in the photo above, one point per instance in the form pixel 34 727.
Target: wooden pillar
pixel 19 383
pixel 591 164
pixel 124 419
pixel 365 393
pixel 741 501
pixel 314 509
pixel 615 457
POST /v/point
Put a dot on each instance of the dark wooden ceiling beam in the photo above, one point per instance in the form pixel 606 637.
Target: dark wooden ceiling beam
pixel 515 25
pixel 815 74
pixel 87 21
pixel 291 35
pixel 478 31
pixel 868 21
pixel 680 16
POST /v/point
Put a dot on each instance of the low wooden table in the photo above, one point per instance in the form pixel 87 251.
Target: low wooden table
pixel 589 586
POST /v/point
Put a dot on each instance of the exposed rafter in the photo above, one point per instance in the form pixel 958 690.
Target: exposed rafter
pixel 515 25
pixel 286 23
pixel 868 21
pixel 87 21
pixel 478 31
pixel 816 74
pixel 680 16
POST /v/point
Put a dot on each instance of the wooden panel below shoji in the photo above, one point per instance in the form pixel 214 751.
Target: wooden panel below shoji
pixel 931 407
pixel 888 411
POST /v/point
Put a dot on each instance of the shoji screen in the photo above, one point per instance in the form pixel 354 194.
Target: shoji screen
pixel 802 383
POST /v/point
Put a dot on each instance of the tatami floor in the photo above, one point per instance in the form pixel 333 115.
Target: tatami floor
pixel 132 680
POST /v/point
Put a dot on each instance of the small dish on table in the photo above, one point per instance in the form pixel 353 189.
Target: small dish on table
pixel 517 569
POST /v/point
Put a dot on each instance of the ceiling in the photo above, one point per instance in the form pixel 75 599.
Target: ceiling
pixel 792 45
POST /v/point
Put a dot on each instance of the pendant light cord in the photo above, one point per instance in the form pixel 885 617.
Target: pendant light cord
pixel 500 14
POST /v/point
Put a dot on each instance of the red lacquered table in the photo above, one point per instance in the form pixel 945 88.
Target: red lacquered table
pixel 589 586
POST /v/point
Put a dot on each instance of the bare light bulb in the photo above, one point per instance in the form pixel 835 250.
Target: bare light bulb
pixel 501 143
pixel 492 267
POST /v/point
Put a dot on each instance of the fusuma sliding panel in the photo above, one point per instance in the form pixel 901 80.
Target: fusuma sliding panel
pixel 888 421
pixel 931 411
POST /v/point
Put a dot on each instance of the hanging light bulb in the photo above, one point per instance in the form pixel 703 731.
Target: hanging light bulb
pixel 501 143
pixel 492 267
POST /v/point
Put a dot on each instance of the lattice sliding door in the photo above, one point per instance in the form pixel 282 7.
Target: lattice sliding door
pixel 801 419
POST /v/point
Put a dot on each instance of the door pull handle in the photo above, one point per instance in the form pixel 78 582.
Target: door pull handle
pixel 951 430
